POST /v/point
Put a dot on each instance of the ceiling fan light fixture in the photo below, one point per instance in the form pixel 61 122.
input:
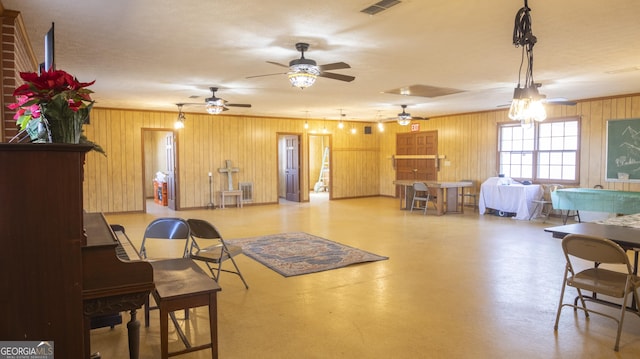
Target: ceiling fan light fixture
pixel 404 119
pixel 302 74
pixel 215 107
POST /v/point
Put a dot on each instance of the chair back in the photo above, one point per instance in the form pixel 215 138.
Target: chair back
pixel 166 228
pixel 203 229
pixel 420 186
pixel 594 249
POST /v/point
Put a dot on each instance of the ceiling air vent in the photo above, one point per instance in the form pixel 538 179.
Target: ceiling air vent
pixel 380 6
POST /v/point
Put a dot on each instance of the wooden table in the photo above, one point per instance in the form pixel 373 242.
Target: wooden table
pixel 448 190
pixel 182 284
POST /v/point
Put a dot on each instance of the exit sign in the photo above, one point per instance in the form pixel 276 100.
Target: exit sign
pixel 415 127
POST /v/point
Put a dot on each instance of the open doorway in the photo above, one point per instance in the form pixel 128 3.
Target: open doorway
pixel 319 185
pixel 159 161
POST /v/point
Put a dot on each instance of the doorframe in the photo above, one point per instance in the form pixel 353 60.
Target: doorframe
pixel 330 145
pixel 177 164
pixel 301 161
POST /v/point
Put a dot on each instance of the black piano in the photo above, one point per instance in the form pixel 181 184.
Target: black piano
pixel 114 280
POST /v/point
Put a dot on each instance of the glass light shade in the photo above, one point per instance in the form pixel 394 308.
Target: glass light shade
pixel 214 108
pixel 303 75
pixel 179 121
pixel 340 125
pixel 404 119
pixel 537 110
pixel 380 127
pixel 527 105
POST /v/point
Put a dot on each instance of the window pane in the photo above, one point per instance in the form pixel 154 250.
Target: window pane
pixel 555 172
pixel 569 158
pixel 543 158
pixel 569 173
pixel 555 158
pixel 543 172
pixel 557 143
pixel 544 144
pixel 571 128
pixel 545 130
pixel 528 145
pixel 571 143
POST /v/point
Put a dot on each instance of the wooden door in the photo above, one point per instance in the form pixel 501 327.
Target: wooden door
pixel 417 143
pixel 292 168
pixel 171 170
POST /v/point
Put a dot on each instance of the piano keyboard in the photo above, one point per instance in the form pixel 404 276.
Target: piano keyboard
pixel 125 249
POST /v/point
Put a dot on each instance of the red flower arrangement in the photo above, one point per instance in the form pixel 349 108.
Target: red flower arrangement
pixel 56 101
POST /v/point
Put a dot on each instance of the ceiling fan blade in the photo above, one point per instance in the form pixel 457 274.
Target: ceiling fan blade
pixel 560 101
pixel 278 73
pixel 238 105
pixel 339 77
pixel 278 64
pixel 334 66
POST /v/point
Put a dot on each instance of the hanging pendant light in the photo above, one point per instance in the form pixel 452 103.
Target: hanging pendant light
pixel 179 124
pixel 527 104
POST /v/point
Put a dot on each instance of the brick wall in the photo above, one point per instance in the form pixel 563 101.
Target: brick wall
pixel 16 56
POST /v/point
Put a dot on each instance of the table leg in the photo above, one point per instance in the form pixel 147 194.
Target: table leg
pixel 440 201
pixel 452 199
pixel 164 333
pixel 213 324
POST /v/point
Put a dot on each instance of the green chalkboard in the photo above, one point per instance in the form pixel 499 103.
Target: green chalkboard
pixel 623 150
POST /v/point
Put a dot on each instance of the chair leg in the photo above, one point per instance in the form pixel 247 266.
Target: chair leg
pixel 238 272
pixel 534 210
pixel 564 285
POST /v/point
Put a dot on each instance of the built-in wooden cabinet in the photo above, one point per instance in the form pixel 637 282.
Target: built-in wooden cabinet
pixel 41 235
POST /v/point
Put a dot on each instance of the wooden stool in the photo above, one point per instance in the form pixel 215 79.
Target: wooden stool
pixel 182 284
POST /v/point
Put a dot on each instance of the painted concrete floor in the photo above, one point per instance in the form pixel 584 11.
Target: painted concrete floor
pixel 455 286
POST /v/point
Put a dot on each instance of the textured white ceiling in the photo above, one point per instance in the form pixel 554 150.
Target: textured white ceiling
pixel 152 54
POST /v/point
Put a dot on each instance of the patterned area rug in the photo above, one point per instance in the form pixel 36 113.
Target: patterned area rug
pixel 292 254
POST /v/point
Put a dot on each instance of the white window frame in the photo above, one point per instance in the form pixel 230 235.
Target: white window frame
pixel 546 152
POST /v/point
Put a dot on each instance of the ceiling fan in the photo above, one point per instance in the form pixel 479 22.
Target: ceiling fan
pixel 404 118
pixel 216 105
pixel 303 72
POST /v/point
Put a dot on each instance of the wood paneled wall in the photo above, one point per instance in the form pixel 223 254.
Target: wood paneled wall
pixel 116 183
pixel 469 142
pixel 361 163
